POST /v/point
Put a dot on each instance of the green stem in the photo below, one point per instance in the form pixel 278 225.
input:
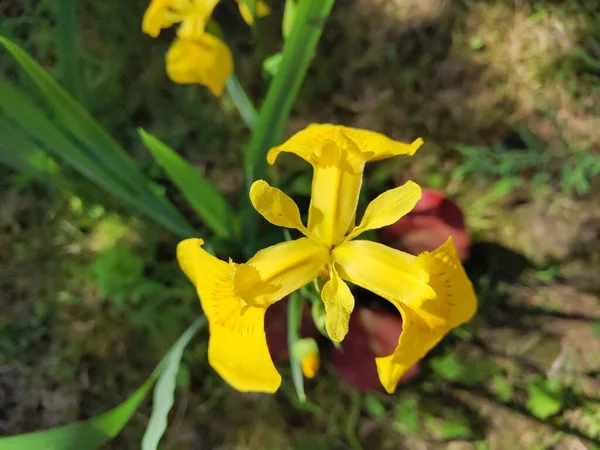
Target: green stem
pixel 68 54
pixel 294 321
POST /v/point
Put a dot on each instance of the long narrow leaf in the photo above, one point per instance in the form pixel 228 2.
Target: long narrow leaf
pixel 65 12
pixel 73 117
pixel 97 431
pixel 17 107
pixel 20 153
pixel 97 144
pixel 241 101
pixel 207 201
pixel 298 52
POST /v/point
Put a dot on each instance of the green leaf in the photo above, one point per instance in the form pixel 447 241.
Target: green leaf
pixel 65 13
pixel 545 398
pixel 271 64
pixel 289 17
pixel 298 52
pixel 77 138
pixel 241 101
pixel 374 407
pixel 97 431
pixel 502 388
pixel 206 200
pixel 407 415
pixel 164 393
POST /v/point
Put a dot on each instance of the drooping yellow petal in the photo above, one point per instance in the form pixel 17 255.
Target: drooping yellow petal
pixel 275 206
pixel 239 353
pixel 385 271
pixel 388 208
pixel 374 146
pixel 262 10
pixel 339 303
pixel 425 326
pixel 238 348
pixel 158 16
pixel 276 271
pixel 205 60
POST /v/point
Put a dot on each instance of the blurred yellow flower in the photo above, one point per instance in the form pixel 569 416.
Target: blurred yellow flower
pixel 431 291
pixel 193 15
pixel 195 56
pixel 262 10
pixel 205 60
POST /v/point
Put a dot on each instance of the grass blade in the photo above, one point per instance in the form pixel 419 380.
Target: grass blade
pixel 241 101
pixel 65 12
pixel 206 200
pixel 97 431
pixel 298 52
pixel 164 392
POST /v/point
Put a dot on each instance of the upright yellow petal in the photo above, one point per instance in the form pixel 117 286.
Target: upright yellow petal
pixel 205 60
pixel 425 326
pixel 337 178
pixel 158 16
pixel 275 206
pixel 339 303
pixel 262 10
pixel 388 208
pixel 385 271
pixel 196 14
pixel 276 271
pixel 237 347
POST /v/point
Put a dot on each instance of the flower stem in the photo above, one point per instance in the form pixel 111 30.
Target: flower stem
pixel 294 318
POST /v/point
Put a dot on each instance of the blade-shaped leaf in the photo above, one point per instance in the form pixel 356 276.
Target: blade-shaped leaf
pixel 97 431
pixel 102 156
pixel 207 201
pixel 299 49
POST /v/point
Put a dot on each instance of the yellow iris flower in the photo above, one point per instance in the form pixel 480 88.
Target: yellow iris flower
pixel 195 56
pixel 431 291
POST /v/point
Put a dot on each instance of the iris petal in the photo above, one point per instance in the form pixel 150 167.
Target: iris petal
pixel 385 271
pixel 237 348
pixel 275 206
pixel 205 60
pixel 425 326
pixel 388 208
pixel 339 303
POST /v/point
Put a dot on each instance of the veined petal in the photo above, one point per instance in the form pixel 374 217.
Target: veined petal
pixel 239 353
pixel 262 10
pixel 450 282
pixel 385 271
pixel 388 208
pixel 276 271
pixel 339 303
pixel 205 60
pixel 275 206
pixel 237 347
pixel 425 326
